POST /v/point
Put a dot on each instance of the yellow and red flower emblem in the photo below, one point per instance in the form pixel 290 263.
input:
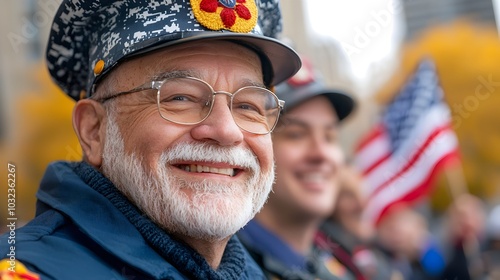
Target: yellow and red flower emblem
pixel 235 15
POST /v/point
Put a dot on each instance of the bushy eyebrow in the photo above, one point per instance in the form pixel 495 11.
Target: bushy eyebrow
pixel 248 82
pixel 175 74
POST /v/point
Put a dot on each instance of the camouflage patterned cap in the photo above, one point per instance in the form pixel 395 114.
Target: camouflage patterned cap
pixel 88 38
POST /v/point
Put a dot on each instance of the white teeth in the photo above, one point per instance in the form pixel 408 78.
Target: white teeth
pixel 213 170
pixel 203 168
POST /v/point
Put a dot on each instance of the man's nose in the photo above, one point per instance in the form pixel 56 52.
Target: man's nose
pixel 220 125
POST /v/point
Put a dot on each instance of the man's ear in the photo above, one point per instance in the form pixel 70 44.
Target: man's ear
pixel 89 119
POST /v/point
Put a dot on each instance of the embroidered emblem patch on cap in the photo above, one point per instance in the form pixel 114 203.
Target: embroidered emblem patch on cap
pixel 235 15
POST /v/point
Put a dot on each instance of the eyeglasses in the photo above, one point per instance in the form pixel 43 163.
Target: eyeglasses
pixel 189 101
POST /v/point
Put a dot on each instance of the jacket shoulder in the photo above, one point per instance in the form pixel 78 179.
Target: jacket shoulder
pixel 51 246
pixel 42 225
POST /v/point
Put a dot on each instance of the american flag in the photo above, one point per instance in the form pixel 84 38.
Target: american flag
pixel 402 154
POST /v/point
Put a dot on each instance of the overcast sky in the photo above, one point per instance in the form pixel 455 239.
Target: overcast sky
pixel 370 32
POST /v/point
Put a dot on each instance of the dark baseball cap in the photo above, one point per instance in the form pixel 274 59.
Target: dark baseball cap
pixel 306 84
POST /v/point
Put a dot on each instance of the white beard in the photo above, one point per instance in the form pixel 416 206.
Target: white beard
pixel 214 211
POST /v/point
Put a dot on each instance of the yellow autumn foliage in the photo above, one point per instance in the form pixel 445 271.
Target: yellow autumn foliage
pixel 42 133
pixel 466 57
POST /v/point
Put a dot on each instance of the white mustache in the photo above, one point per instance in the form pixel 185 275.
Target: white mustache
pixel 203 152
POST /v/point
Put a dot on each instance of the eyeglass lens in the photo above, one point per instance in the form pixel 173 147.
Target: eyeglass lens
pixel 189 101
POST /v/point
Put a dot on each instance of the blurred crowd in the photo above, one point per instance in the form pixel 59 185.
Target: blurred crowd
pixel 316 223
pixel 409 243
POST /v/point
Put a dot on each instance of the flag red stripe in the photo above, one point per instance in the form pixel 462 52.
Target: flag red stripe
pixel 376 164
pixel 445 144
pixel 419 191
pixel 372 135
pixel 415 157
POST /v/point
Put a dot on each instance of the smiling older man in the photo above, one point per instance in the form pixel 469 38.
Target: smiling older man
pixel 173 114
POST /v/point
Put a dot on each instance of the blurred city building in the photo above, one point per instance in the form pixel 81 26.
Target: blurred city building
pixel 423 14
pixel 327 53
pixel 24 27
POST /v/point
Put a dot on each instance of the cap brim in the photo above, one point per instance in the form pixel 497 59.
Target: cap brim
pixel 343 103
pixel 284 61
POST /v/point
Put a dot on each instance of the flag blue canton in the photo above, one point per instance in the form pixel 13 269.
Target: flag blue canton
pixel 420 94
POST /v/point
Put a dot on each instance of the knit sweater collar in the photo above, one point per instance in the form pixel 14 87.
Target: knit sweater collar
pixel 177 253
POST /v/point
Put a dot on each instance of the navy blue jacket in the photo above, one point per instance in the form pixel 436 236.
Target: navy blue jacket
pixel 82 232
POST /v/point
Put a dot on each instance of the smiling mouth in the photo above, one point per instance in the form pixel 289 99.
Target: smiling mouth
pixel 195 168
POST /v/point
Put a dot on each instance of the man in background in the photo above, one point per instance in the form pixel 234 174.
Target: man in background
pixel 282 237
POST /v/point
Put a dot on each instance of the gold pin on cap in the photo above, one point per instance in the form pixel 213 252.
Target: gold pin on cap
pixel 83 94
pixel 99 66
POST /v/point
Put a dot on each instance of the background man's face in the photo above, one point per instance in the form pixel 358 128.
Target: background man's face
pixel 308 158
pixel 150 165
